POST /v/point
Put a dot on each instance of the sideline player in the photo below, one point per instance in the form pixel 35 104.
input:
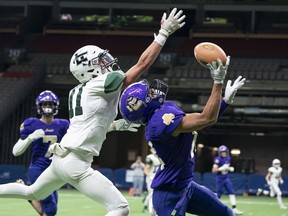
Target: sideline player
pixel 273 178
pixel 39 133
pixel 151 165
pixel 222 167
pixel 172 135
pixel 93 106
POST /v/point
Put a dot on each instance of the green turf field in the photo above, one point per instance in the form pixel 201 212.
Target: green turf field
pixel 72 203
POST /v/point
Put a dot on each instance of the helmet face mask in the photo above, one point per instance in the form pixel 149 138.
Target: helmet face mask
pixel 47 103
pixel 91 61
pixel 140 100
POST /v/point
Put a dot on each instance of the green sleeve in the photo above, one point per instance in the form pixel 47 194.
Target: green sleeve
pixel 113 81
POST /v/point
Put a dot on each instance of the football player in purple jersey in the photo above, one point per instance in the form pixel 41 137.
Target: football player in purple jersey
pixel 222 167
pixel 40 133
pixel 171 134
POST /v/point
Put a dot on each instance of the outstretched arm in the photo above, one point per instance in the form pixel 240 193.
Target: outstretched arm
pixel 196 121
pixel 168 27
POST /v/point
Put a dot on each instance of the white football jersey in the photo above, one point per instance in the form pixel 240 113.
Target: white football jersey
pixel 154 164
pixel 275 174
pixel 92 108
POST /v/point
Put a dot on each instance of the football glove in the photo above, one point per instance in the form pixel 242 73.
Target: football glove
pixel 169 25
pixel 231 89
pixel 281 181
pixel 37 134
pixel 218 70
pixel 123 125
pixel 56 149
pixel 225 167
pixel 231 169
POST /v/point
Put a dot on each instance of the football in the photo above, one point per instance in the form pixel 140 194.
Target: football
pixel 207 52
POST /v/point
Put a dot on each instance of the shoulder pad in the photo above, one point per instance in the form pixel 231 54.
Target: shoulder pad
pixel 164 122
pixel 113 81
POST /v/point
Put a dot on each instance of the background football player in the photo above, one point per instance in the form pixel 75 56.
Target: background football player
pixel 39 133
pixel 222 167
pixel 273 179
pixel 151 165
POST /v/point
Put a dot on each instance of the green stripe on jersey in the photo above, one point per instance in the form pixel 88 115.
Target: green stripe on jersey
pixel 113 81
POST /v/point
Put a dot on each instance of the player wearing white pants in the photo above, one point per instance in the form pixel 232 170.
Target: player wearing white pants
pixel 151 165
pixel 93 105
pixel 273 178
pixel 77 171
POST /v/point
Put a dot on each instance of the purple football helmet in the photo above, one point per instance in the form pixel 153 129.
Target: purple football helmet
pixel 51 100
pixel 140 100
pixel 223 148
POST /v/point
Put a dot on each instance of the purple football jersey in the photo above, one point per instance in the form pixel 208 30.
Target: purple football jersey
pixel 177 167
pixel 220 161
pixel 53 133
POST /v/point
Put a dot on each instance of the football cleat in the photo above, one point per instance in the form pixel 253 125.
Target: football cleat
pixel 237 212
pixel 20 181
pixel 283 207
pixel 259 191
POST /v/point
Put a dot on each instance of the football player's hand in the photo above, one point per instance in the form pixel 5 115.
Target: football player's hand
pixel 56 149
pixel 281 181
pixel 169 25
pixel 269 183
pixel 231 89
pixel 172 23
pixel 37 134
pixel 223 168
pixel 231 169
pixel 123 125
pixel 218 70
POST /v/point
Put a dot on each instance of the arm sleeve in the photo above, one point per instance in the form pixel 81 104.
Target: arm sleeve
pixel 223 107
pixel 21 146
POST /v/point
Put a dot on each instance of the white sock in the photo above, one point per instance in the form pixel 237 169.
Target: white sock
pixel 279 200
pixel 232 199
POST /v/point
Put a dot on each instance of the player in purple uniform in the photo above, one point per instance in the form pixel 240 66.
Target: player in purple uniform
pixel 172 136
pixel 40 133
pixel 222 167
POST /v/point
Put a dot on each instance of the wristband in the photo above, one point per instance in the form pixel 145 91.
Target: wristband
pixel 160 38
